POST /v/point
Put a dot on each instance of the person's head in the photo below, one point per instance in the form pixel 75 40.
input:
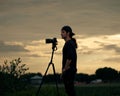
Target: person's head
pixel 66 32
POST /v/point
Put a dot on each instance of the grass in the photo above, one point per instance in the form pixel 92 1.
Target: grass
pixel 81 90
pixel 98 90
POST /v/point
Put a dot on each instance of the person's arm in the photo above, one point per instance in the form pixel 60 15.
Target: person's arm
pixel 67 65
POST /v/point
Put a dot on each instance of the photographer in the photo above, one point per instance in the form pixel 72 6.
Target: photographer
pixel 69 60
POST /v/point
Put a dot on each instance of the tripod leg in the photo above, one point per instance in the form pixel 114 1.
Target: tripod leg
pixel 42 80
pixel 55 76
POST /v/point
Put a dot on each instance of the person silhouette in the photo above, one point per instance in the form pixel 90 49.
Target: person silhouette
pixel 69 61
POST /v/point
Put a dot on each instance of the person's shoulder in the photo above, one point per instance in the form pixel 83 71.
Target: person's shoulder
pixel 70 43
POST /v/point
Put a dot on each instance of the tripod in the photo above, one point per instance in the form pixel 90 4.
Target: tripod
pixel 54 48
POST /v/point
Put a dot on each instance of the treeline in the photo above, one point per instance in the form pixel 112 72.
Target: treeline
pixel 106 74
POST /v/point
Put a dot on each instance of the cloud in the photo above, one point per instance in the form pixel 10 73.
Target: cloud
pixel 32 55
pixel 36 19
pixel 112 59
pixel 95 22
pixel 11 48
pixel 101 44
pixel 85 50
pixel 96 45
pixel 41 49
pixel 114 47
pixel 27 49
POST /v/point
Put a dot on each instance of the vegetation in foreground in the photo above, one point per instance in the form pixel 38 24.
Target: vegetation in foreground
pixel 81 90
pixel 14 82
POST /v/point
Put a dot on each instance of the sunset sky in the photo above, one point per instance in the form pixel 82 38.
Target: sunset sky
pixel 25 24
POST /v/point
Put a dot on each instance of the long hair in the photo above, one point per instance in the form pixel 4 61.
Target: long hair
pixel 69 29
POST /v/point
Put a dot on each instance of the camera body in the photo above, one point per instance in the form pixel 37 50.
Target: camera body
pixel 54 41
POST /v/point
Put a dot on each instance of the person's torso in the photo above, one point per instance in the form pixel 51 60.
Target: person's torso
pixel 69 52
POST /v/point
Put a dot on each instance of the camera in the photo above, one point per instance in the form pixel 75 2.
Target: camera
pixel 54 41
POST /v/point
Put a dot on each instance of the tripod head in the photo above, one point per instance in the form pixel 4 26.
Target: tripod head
pixel 54 43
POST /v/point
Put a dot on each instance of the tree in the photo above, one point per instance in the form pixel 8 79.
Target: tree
pixel 82 77
pixel 92 77
pixel 14 67
pixel 10 74
pixel 107 74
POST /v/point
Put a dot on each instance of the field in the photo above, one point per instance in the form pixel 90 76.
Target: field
pixel 81 90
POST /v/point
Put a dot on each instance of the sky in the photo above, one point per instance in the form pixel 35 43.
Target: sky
pixel 25 24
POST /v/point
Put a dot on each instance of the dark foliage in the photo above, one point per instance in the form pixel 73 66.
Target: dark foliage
pixel 107 74
pixel 10 74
